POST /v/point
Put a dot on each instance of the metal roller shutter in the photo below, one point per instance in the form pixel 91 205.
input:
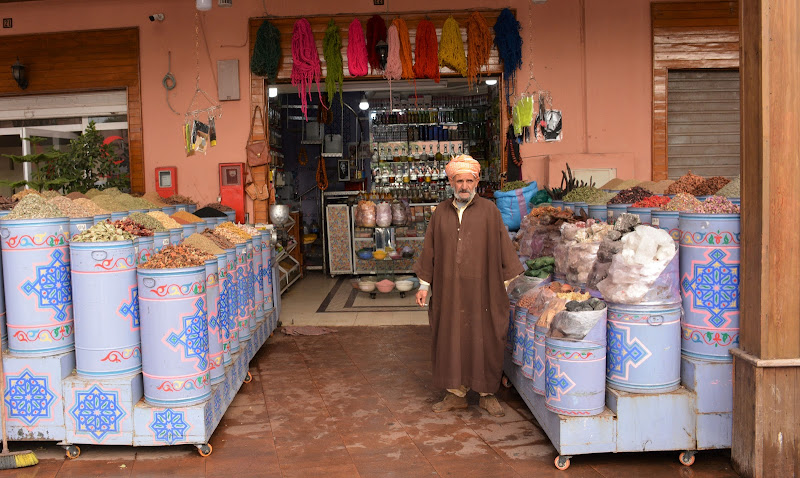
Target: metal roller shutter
pixel 703 123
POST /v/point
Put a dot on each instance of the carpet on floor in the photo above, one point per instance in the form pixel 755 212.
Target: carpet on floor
pixel 344 298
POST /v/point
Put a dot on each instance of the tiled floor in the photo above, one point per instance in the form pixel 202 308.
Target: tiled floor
pixel 357 404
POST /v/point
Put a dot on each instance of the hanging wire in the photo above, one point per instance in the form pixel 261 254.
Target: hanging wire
pixel 540 92
pixel 215 110
pixel 169 82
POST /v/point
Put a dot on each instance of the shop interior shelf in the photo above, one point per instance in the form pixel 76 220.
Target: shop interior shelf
pixel 331 155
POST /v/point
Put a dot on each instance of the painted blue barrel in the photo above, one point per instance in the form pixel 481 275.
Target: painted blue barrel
pixel 191 208
pixel 709 271
pixel 668 221
pixel 175 236
pixel 511 333
pixel 243 315
pixel 539 365
pixel 145 248
pixel 3 329
pixel 101 218
pixel 644 353
pixel 201 225
pixel 231 215
pixel 574 381
pixel 174 330
pixel 223 316
pixel 79 224
pixel 118 216
pixel 106 308
pixel 188 229
pixel 250 275
pixel 643 213
pixel 558 204
pixel 160 240
pixel 276 296
pixel 616 210
pixel 266 274
pixel 233 299
pixel 737 201
pixel 529 354
pixel 520 322
pixel 168 210
pixel 258 271
pixel 581 206
pixel 37 284
pixel 702 198
pixel 215 357
pixel 569 205
pixel 597 334
pixel 181 207
pixel 599 212
pixel 142 211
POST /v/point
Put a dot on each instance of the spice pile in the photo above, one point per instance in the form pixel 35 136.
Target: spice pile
pixel 178 199
pixel 69 208
pixel 165 220
pixel 147 221
pixel 583 194
pixel 218 206
pixel 132 227
pixel 90 206
pixel 683 202
pixel 612 185
pixel 155 199
pixel 718 205
pixel 34 206
pixel 512 185
pixel 131 203
pixel 50 194
pixel 23 193
pixel 630 196
pixel 92 193
pixel 6 204
pixel 186 217
pixel 585 305
pixel 209 212
pixel 203 243
pixel 220 241
pixel 176 257
pixel 248 229
pixel 652 201
pixel 685 184
pixel 76 195
pixel 732 189
pixel 601 199
pixel 710 186
pixel 628 183
pixel 229 231
pixel 108 202
pixel 103 231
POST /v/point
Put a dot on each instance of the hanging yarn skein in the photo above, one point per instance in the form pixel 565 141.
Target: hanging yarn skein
pixel 451 48
pixel 267 52
pixel 356 50
pixel 479 46
pixel 405 48
pixel 332 49
pixel 376 31
pixel 394 66
pixel 305 63
pixel 509 43
pixel 426 54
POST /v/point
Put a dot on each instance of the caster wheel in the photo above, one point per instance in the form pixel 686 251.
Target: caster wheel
pixel 402 295
pixel 506 382
pixel 205 450
pixel 686 458
pixel 248 378
pixel 562 462
pixel 73 451
pixel 373 295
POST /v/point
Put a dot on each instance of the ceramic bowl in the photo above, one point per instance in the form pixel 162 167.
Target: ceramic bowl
pixel 366 286
pixel 385 286
pixel 396 256
pixel 354 283
pixel 365 254
pixel 404 285
pixel 379 254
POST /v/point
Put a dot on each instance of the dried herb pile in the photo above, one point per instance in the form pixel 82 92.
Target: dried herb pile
pixel 34 206
pixel 147 221
pixel 132 227
pixel 176 257
pixel 103 231
pixel 203 243
pixel 165 220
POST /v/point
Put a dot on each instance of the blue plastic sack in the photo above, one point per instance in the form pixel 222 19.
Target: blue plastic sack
pixel 514 205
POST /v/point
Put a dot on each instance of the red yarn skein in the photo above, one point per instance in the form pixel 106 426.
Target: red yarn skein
pixel 427 52
pixel 376 31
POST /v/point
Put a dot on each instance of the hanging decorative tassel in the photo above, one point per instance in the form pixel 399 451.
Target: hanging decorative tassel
pixel 332 50
pixel 426 54
pixel 509 45
pixel 394 66
pixel 405 48
pixel 305 63
pixel 479 46
pixel 356 50
pixel 376 31
pixel 451 48
pixel 267 52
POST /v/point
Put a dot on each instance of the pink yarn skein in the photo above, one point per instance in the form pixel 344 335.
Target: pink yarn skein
pixel 357 62
pixel 305 62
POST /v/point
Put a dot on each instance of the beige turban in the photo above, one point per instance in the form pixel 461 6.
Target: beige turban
pixel 462 164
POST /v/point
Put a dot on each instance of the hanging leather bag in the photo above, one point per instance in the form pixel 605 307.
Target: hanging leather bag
pixel 257 149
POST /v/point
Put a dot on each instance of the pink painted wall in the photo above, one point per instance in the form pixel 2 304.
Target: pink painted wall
pixel 593 56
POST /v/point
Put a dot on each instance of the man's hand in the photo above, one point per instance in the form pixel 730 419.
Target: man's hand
pixel 422 297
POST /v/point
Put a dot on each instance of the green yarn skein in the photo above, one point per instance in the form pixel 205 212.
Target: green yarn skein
pixel 267 53
pixel 332 50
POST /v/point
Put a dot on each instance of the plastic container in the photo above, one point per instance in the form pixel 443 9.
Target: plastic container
pixel 258 274
pixel 144 248
pixel 668 221
pixel 38 286
pixel 520 322
pixel 215 357
pixel 599 212
pixel 168 210
pixel 232 295
pixel 529 354
pixel 160 240
pixel 223 317
pixel 574 379
pixel 644 353
pixel 578 206
pixel 118 216
pixel 539 337
pixel 709 265
pixel 616 210
pixel 643 213
pixel 106 308
pixel 242 316
pixel 188 229
pixel 181 207
pixel 174 330
pixel 191 208
pixel 79 224
pixel 230 216
pixel 569 205
pixel 3 329
pixel 175 236
pixel 557 204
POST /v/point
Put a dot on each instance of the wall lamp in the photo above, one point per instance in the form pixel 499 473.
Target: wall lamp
pixel 18 70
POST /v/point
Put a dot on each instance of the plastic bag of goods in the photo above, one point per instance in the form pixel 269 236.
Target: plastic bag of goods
pixel 552 300
pixel 521 285
pixel 383 215
pixel 609 247
pixel 644 271
pixel 581 258
pixel 514 205
pixel 365 214
pixel 578 319
pixel 399 214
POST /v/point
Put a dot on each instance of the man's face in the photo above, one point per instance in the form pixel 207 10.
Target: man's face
pixel 464 186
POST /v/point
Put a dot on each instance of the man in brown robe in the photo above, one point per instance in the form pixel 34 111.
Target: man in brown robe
pixel 466 260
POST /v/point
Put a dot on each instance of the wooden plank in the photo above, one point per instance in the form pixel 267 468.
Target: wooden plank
pixel 747 416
